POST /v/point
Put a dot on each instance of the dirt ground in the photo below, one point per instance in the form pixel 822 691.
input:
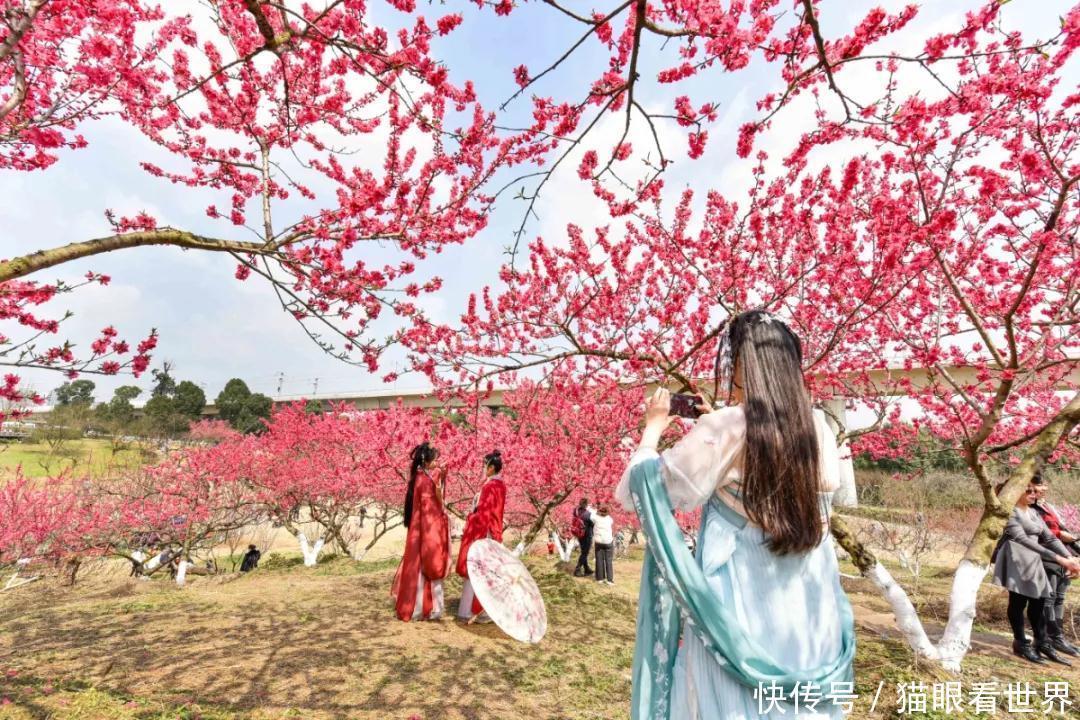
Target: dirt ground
pixel 322 643
pixel 289 641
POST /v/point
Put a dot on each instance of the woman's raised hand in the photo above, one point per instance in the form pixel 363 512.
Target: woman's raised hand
pixel 658 409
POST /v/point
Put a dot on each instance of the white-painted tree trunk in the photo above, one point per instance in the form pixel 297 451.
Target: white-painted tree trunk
pixel 557 541
pixel 563 551
pixel 153 562
pixel 15 581
pixel 181 573
pixel 310 552
pixel 846 495
pixel 956 639
pixel 519 550
pixel 21 576
pixel 906 617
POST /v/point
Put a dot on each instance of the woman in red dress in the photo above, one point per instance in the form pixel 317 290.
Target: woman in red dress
pixel 485 521
pixel 418 585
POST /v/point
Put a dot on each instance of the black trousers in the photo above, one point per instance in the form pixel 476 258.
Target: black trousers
pixel 583 559
pixel 604 554
pixel 1036 615
pixel 1055 605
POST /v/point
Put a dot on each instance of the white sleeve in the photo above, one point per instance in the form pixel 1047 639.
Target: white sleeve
pixel 696 465
pixel 622 490
pixel 828 454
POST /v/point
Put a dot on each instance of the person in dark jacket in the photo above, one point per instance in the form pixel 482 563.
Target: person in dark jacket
pixel 1026 545
pixel 1059 579
pixel 251 559
pixel 584 513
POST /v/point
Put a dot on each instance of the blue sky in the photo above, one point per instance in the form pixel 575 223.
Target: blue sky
pixel 214 328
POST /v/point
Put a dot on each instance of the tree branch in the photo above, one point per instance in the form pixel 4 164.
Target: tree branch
pixel 819 41
pixel 18 30
pixel 34 262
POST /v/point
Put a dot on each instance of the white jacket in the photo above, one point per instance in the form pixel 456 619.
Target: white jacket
pixel 603 531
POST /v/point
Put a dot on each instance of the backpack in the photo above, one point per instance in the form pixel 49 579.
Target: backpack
pixel 577 526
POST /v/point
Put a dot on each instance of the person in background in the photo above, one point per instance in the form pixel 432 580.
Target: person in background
pixel 251 559
pixel 418 583
pixel 1021 560
pixel 1059 579
pixel 582 515
pixel 485 521
pixel 604 540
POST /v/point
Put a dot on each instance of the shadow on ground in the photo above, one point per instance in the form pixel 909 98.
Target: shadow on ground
pixel 314 644
pixel 323 644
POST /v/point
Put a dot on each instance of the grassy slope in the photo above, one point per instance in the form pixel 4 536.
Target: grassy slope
pixel 294 642
pixel 91 455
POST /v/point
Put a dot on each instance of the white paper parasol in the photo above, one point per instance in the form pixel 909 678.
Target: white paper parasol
pixel 507 591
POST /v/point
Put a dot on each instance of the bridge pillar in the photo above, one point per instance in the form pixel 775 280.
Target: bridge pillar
pixel 846 495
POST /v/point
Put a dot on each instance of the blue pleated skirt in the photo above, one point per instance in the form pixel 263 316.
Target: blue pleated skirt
pixel 791 604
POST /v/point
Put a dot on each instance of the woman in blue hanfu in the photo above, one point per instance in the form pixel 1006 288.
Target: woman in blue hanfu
pixel 755 623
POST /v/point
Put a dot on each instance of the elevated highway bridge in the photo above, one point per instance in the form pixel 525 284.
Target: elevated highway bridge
pixel 891 382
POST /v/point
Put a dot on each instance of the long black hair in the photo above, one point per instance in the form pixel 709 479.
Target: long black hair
pixel 494 459
pixel 781 474
pixel 420 456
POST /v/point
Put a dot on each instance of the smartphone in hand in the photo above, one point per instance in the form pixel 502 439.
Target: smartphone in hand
pixel 686 406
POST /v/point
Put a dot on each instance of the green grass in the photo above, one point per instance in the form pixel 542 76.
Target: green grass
pixel 31 698
pixel 88 455
pixel 890 661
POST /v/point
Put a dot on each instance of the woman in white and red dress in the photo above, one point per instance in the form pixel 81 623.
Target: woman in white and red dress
pixel 418 584
pixel 485 521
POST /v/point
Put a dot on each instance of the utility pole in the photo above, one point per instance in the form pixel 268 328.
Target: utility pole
pixel 316 390
pixel 280 380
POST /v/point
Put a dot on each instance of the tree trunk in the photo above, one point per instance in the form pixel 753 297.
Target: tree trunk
pixel 181 573
pixel 846 495
pixel 907 619
pixel 538 524
pixel 861 555
pixel 310 552
pixel 956 639
pixel 534 529
pixel 564 551
pixel 70 571
pixel 339 539
pixel 386 527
